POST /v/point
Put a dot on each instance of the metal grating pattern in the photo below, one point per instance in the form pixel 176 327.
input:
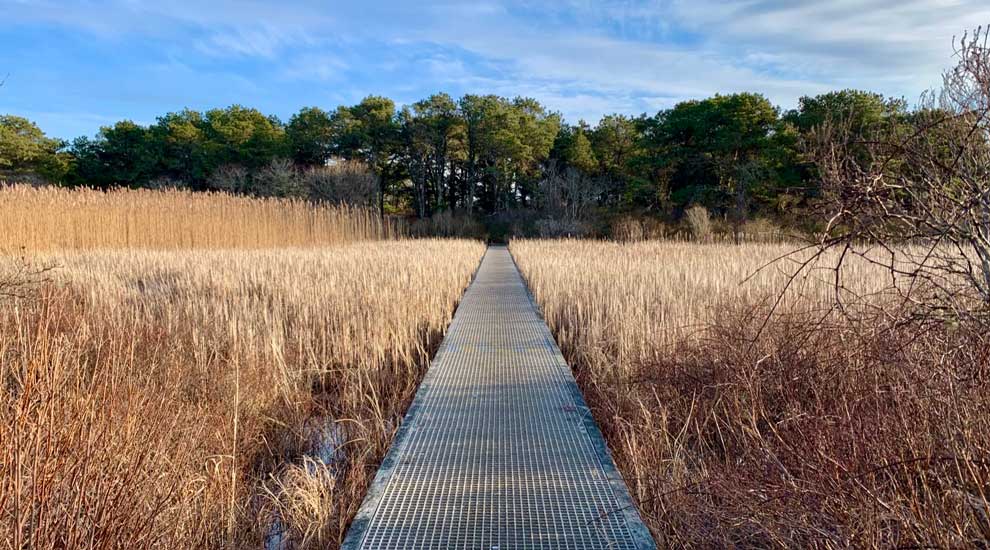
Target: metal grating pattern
pixel 498 450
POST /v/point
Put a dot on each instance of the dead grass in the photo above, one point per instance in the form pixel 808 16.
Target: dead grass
pixel 821 430
pixel 52 218
pixel 183 398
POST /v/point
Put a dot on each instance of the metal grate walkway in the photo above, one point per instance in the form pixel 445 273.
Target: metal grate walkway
pixel 498 450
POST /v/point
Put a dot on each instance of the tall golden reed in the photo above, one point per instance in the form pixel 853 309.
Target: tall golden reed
pixel 51 218
pixel 197 398
pixel 818 428
pixel 644 298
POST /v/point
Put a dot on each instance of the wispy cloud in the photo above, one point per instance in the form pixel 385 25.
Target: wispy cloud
pixel 315 67
pixel 253 41
pixel 584 58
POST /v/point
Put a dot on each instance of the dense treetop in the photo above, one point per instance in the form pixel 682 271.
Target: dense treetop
pixel 738 155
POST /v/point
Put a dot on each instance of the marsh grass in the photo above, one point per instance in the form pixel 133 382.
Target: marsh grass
pixel 177 398
pixel 819 428
pixel 52 218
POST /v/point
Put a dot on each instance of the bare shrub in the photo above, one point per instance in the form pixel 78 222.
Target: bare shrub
pixel 654 229
pixel 164 183
pixel 449 223
pixel 628 229
pixel 230 178
pixel 20 178
pixel 162 398
pixel 699 223
pixel 926 181
pixel 762 230
pixel 280 178
pixel 554 228
pixel 567 194
pixel 21 277
pixel 812 430
pixel 345 182
pixel 303 498
pixel 634 229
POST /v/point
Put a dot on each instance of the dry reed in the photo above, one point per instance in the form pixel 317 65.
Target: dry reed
pixel 196 398
pixel 51 218
pixel 816 430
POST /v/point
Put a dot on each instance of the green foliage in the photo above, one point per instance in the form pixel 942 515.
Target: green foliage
pixel 21 142
pixel 238 135
pixel 433 138
pixel 121 155
pixel 183 149
pixel 367 131
pixel 310 136
pixel 573 147
pixel 24 148
pixel 863 111
pixel 735 155
pixel 370 131
pixel 615 142
pixel 506 142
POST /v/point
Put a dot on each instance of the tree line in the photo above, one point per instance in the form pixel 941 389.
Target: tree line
pixel 737 155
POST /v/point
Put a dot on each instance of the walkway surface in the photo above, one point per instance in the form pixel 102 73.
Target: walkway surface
pixel 498 449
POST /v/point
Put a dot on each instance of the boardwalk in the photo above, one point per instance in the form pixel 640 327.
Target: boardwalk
pixel 498 450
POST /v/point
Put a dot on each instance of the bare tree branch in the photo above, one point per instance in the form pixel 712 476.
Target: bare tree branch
pixel 914 196
pixel 19 280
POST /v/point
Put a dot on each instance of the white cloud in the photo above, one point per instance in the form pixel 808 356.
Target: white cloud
pixel 902 44
pixel 582 57
pixel 315 67
pixel 262 41
pixel 615 68
pixel 690 48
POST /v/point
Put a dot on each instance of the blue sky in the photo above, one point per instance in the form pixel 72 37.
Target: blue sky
pixel 75 65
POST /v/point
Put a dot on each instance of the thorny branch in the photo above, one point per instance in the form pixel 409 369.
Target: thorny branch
pixel 19 280
pixel 913 196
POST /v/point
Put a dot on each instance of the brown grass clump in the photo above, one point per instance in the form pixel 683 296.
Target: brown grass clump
pixel 197 398
pixel 51 218
pixel 820 430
